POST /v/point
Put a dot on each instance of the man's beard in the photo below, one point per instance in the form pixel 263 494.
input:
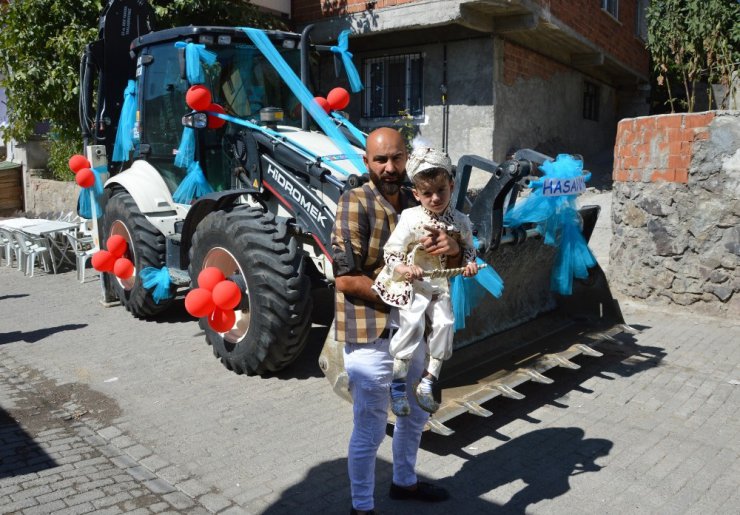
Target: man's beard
pixel 389 188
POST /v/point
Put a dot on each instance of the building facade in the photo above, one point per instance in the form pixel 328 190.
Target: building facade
pixel 490 76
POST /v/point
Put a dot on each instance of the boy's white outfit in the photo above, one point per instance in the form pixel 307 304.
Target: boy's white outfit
pixel 427 297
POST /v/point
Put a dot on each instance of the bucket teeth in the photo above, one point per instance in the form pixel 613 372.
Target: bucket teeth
pixel 438 427
pixel 475 408
pixel 536 376
pixel 563 362
pixel 588 351
pixel 629 329
pixel 507 391
pixel 603 337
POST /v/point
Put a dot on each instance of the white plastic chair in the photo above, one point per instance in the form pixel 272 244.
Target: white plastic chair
pixel 31 248
pixel 84 248
pixel 10 247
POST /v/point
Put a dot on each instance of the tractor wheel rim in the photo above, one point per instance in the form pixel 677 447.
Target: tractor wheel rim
pixel 120 229
pixel 225 261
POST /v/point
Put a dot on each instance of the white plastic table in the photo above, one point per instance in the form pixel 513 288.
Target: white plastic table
pixel 51 230
pixel 18 223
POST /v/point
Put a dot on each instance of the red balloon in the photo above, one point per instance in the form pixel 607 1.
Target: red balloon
pixel 198 98
pixel 323 103
pixel 123 268
pixel 85 178
pixel 338 98
pixel 77 162
pixel 116 245
pixel 226 295
pixel 209 277
pixel 103 261
pixel 221 321
pixel 214 122
pixel 199 303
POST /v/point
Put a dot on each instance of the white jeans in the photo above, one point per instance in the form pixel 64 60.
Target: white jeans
pixel 370 369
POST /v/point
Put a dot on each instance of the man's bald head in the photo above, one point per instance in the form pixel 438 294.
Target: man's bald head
pixel 385 159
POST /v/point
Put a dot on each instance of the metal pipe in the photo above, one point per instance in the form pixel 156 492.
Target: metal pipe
pixel 305 70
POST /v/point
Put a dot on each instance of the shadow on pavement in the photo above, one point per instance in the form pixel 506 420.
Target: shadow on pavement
pixel 623 358
pixel 19 453
pixel 39 334
pixel 544 460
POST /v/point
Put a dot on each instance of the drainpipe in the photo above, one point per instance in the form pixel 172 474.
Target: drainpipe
pixel 445 107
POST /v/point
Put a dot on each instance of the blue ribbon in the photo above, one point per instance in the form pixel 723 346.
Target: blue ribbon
pixel 193 186
pixel 157 279
pixel 125 133
pixel 84 202
pixel 342 48
pixel 558 221
pixel 357 133
pixel 194 55
pixel 280 136
pixel 263 44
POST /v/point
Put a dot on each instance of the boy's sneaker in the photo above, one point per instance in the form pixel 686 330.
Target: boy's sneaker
pixel 399 401
pixel 425 397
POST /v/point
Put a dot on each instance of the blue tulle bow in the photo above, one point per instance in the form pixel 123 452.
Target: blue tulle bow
pixel 85 201
pixel 557 219
pixel 125 132
pixel 342 48
pixel 193 186
pixel 157 279
pixel 467 292
pixel 195 54
pixel 186 151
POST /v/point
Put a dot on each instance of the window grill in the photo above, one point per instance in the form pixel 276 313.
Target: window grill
pixel 393 86
pixel 591 101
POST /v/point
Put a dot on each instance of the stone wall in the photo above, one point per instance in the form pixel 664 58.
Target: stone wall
pixel 44 195
pixel 675 210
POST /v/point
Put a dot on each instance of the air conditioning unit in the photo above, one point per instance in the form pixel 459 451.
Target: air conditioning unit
pixel 276 6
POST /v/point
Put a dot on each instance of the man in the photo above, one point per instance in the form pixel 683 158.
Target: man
pixel 366 216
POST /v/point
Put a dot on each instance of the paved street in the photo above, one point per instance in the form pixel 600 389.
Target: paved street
pixel 104 413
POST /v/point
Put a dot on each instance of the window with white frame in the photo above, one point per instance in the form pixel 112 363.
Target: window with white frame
pixel 611 6
pixel 393 85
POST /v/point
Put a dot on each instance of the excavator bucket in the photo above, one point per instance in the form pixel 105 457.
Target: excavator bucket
pixel 528 330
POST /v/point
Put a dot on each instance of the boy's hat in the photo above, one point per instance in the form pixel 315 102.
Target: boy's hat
pixel 427 158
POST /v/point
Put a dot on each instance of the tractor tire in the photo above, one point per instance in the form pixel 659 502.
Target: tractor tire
pixel 274 316
pixel 146 247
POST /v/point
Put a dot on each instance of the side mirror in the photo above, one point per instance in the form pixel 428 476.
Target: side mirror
pixel 195 120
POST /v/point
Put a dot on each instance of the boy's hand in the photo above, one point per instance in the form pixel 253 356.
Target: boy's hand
pixel 470 269
pixel 410 272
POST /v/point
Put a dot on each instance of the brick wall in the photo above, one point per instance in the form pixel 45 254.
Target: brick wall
pixel 520 62
pixel 658 148
pixel 615 37
pixel 312 10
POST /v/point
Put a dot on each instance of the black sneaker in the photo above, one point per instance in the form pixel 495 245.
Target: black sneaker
pixel 354 512
pixel 424 491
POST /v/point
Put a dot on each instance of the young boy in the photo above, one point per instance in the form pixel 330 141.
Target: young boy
pixel 402 283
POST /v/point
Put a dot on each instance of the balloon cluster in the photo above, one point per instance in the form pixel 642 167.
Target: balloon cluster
pixel 336 100
pixel 112 260
pixel 80 166
pixel 215 298
pixel 198 98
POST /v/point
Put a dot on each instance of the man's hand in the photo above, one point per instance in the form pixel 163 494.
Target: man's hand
pixel 410 272
pixel 470 269
pixel 439 243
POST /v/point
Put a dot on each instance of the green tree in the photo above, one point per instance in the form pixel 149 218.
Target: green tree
pixel 693 41
pixel 41 42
